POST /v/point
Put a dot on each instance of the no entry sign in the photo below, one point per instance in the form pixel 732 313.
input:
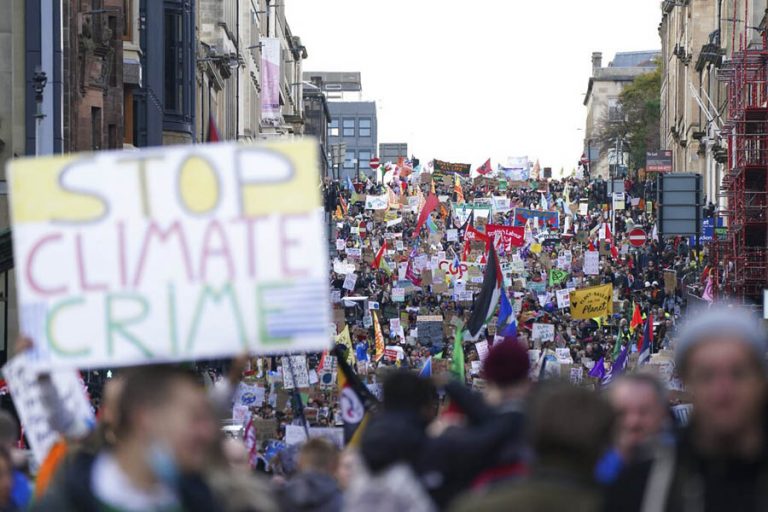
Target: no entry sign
pixel 637 237
pixel 374 163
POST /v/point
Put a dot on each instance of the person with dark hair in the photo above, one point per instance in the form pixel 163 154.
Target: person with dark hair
pixel 569 430
pixel 720 459
pixel 313 488
pixel 164 431
pixel 21 488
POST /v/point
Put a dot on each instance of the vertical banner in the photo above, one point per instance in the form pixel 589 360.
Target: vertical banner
pixel 170 254
pixel 270 81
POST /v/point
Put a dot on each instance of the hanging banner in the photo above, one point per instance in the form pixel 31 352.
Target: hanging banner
pixel 505 237
pixel 593 302
pixel 170 254
pixel 441 167
pixel 548 218
pixel 271 115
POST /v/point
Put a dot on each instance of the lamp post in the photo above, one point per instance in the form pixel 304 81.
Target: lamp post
pixel 39 80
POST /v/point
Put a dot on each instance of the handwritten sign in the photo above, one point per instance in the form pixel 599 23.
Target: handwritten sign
pixel 592 302
pixel 31 398
pixel 542 332
pixel 295 373
pixel 170 254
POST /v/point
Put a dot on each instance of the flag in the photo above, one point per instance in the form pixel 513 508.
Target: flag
pixel 379 256
pixel 618 366
pixel 457 188
pixel 645 348
pixel 609 238
pixel 469 222
pixel 343 338
pixel 343 204
pixel 598 371
pixel 429 206
pixel 485 168
pixel 557 276
pixel 507 324
pixel 637 319
pixel 426 370
pixel 489 295
pixel 457 359
pixel 355 399
pixel 378 337
pixel 410 273
pixel 708 294
pixel 213 132
pixel 616 348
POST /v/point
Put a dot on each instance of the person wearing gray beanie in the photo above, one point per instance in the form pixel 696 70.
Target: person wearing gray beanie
pixel 713 323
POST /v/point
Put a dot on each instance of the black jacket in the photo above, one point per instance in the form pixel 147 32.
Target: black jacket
pixel 71 490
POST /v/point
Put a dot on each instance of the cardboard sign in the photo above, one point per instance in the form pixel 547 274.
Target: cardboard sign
pixel 482 349
pixel 543 332
pixel 21 374
pixel 398 294
pixel 563 299
pixel 349 282
pixel 264 428
pixel 430 329
pixel 170 254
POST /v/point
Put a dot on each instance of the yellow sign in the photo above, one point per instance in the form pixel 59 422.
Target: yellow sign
pixel 596 301
pixel 536 248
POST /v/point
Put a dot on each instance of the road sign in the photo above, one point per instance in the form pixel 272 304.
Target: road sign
pixel 637 237
pixel 375 163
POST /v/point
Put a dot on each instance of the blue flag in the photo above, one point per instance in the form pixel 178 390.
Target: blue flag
pixel 598 371
pixel 426 370
pixel 507 324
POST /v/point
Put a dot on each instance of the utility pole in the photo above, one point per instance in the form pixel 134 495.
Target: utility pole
pixel 39 80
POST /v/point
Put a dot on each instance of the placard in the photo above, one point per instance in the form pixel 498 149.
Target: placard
pixel 591 263
pixel 249 395
pixel 398 294
pixel 22 376
pixel 295 373
pixel 452 235
pixel 563 299
pixel 349 282
pixel 542 332
pixel 430 329
pixel 170 254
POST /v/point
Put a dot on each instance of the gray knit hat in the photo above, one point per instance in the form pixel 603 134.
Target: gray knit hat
pixel 721 320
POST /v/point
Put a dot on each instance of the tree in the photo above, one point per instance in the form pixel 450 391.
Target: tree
pixel 639 106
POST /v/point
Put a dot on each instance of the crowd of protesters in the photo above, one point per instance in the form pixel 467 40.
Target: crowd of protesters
pixel 656 406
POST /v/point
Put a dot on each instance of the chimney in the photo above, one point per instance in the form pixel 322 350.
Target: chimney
pixel 597 62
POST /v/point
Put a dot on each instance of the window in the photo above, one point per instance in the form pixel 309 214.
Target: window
pixel 349 159
pixel 365 127
pixel 174 62
pixel 614 111
pixel 364 159
pixel 127 20
pixel 95 128
pixel 349 127
pixel 333 131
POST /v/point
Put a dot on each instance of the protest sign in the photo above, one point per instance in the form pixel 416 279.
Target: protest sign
pixel 354 252
pixel 179 253
pixel 377 202
pixel 430 329
pixel 592 302
pixel 295 434
pixel 563 299
pixel 249 395
pixel 542 332
pixel 349 282
pixel 506 237
pixel 341 245
pixel 45 406
pixel 670 282
pixel 295 373
pixel 591 263
pixel 452 235
pixel 240 415
pixel 482 349
pixel 398 294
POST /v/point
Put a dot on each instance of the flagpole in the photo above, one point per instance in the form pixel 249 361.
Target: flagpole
pixel 297 396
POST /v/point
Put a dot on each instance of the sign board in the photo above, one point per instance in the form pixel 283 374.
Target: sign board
pixel 29 396
pixel 430 330
pixel 619 199
pixel 170 254
pixel 542 332
pixel 658 161
pixel 680 204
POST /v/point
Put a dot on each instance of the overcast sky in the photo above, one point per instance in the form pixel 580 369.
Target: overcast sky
pixel 467 80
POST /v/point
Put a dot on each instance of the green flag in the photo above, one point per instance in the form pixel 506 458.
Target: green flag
pixel 616 348
pixel 457 359
pixel 557 276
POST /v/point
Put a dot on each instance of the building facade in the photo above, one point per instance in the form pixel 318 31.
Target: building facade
pixel 317 120
pixel 602 102
pixel 391 152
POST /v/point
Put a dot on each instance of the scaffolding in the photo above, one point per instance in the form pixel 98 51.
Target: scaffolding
pixel 741 256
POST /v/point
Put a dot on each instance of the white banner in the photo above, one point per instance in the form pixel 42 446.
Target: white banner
pixel 170 254
pixel 270 81
pixel 377 202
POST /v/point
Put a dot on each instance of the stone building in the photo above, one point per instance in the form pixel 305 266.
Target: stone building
pixel 602 98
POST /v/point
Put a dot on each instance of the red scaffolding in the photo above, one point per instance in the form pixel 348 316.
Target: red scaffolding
pixel 742 256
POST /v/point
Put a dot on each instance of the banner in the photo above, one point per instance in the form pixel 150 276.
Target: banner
pixel 593 302
pixel 515 174
pixel 505 236
pixel 377 202
pixel 441 167
pixel 270 81
pixel 548 218
pixel 170 254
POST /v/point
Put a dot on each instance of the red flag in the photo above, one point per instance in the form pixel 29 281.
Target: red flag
pixel 377 260
pixel 431 203
pixel 485 168
pixel 213 132
pixel 637 318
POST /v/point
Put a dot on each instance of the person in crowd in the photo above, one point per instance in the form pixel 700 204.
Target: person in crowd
pixel 314 487
pixel 641 406
pixel 21 487
pixel 487 447
pixel 164 432
pixel 7 502
pixel 720 461
pixel 569 430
